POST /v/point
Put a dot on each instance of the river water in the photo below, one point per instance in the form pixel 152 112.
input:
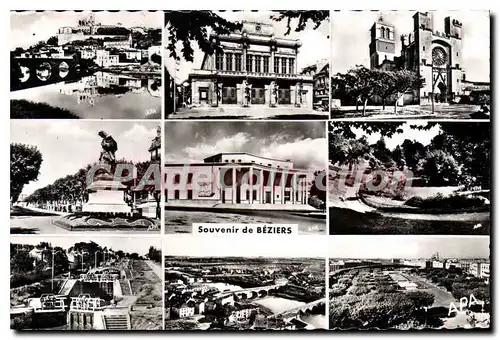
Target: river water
pixel 101 95
pixel 278 305
pixel 221 286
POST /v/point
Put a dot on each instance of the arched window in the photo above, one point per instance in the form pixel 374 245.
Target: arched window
pixel 382 32
pixel 387 33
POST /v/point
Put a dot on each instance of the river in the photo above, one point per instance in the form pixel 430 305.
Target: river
pixel 278 305
pixel 221 286
pixel 101 95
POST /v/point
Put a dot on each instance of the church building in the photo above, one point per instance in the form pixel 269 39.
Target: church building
pixel 254 69
pixel 436 56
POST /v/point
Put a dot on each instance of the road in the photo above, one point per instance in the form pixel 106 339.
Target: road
pixel 408 112
pixel 45 225
pixel 442 297
pixel 255 112
pixel 156 267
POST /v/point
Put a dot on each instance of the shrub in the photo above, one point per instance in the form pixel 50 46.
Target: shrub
pixel 446 202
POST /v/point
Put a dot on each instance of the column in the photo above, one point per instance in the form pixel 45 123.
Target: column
pixel 286 64
pixel 283 186
pixel 271 62
pixel 253 63
pixel 263 188
pixel 272 176
pixel 233 63
pixel 250 180
pixel 279 65
pixel 224 61
pixel 294 187
pixel 262 63
pixel 234 186
pixel 244 60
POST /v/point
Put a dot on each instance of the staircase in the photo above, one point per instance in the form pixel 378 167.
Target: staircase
pixel 125 287
pixel 67 286
pixel 116 322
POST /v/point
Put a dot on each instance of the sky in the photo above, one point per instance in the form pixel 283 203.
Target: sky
pixel 246 246
pixel 351 38
pixel 126 244
pixel 315 43
pixel 422 136
pixel 68 145
pixel 302 142
pixel 27 28
pixel 408 246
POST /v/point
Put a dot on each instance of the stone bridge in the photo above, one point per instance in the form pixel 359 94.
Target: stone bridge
pixel 304 309
pixel 252 293
pixel 34 72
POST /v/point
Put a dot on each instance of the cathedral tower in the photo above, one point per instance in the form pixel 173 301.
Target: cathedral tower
pixel 382 45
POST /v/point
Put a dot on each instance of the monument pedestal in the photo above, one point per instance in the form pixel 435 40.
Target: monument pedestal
pixel 106 195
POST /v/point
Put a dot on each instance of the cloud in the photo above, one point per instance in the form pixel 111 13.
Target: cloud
pixel 70 129
pixel 308 153
pixel 139 132
pixel 235 143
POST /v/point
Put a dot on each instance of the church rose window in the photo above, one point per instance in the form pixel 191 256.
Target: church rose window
pixel 439 57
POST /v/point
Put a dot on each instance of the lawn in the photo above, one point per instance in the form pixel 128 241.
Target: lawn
pixel 146 285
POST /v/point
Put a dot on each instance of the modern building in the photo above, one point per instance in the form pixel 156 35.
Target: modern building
pixel 225 178
pixel 435 56
pixel 255 68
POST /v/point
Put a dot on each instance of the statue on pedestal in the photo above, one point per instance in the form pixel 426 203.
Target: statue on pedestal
pixel 109 147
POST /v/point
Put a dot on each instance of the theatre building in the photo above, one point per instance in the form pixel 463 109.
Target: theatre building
pixel 254 69
pixel 235 178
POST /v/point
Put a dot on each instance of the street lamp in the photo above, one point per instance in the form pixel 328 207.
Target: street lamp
pixel 54 252
pixel 81 254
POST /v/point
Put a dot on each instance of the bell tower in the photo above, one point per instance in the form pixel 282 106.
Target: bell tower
pixel 382 45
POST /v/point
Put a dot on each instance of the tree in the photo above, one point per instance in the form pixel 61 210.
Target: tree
pixel 25 162
pixel 195 26
pixel 398 157
pixel 440 168
pixel 385 86
pixel 404 81
pixel 413 152
pixel 317 17
pixel 20 262
pixel 185 26
pixel 360 83
pixel 53 41
pixel 421 299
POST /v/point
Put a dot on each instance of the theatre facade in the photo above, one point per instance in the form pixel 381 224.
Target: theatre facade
pixel 237 179
pixel 253 69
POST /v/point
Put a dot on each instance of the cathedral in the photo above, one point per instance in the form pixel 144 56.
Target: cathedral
pixel 436 56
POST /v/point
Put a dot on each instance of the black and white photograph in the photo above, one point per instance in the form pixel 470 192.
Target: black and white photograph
pixel 93 65
pixel 410 65
pixel 85 176
pixel 409 283
pixel 234 285
pixel 245 172
pixel 84 284
pixel 417 177
pixel 247 64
